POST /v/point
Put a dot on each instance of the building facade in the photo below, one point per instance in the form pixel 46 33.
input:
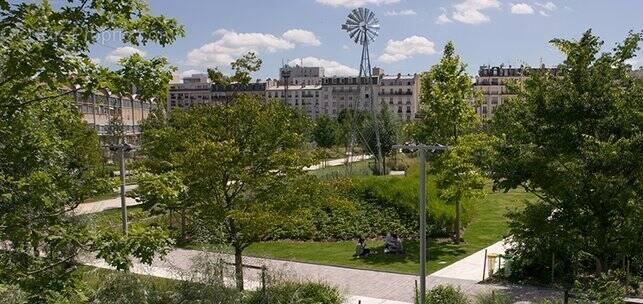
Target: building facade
pixel 309 91
pixel 339 93
pixel 300 75
pixel 492 82
pixel 99 108
pixel 400 94
pixel 304 98
pixel 194 90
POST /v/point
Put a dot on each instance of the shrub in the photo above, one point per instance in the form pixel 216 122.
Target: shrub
pixel 11 294
pixel 603 289
pixel 445 294
pixel 123 288
pixel 293 292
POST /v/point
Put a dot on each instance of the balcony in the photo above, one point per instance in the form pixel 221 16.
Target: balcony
pixel 397 93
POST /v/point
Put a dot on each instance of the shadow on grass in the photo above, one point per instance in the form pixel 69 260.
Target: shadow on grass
pixel 437 251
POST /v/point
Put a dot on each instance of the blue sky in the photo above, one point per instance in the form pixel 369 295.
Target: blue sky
pixel 412 35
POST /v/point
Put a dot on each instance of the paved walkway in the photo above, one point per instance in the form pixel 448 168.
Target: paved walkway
pixel 95 207
pixel 471 267
pixel 372 286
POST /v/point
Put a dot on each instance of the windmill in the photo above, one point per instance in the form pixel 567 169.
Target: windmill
pixel 363 28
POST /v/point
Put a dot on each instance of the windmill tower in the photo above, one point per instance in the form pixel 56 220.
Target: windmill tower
pixel 363 28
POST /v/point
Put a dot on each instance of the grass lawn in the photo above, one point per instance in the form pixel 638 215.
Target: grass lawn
pixel 488 227
pixel 111 219
pixel 360 168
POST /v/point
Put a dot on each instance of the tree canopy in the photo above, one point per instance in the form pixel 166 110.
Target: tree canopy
pixel 238 180
pixel 446 112
pixel 446 99
pixel 49 159
pixel 242 67
pixel 574 140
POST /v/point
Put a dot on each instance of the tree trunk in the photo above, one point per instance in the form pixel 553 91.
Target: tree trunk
pixel 457 222
pixel 383 165
pixel 183 226
pixel 238 267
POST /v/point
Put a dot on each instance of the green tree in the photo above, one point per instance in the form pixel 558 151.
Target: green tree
pixel 239 179
pixel 49 160
pixel 326 132
pixel 574 140
pixel 389 128
pixel 242 67
pixel 446 99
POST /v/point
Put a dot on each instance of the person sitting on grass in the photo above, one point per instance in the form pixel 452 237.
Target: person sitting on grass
pixel 392 243
pixel 361 250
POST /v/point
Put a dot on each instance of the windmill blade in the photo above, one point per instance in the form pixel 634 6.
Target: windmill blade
pixel 353 33
pixel 367 12
pixel 358 37
pixel 354 16
pixel 369 16
pixel 351 22
pixel 349 28
pixel 361 14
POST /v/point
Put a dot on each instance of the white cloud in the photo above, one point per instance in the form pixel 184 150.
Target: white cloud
pixel 302 36
pixel 443 19
pixel 634 62
pixel 95 60
pixel 546 8
pixel 356 3
pixel 407 12
pixel 550 6
pixel 122 52
pixel 331 68
pixel 470 11
pixel 522 9
pixel 232 44
pixel 345 47
pixel 397 50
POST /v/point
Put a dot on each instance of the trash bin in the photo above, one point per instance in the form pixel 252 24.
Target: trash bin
pixel 509 259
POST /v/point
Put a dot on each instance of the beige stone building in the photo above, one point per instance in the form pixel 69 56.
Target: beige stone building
pixel 339 93
pixel 305 98
pixel 400 93
pixel 492 83
pixel 197 89
pixel 309 91
pixel 300 75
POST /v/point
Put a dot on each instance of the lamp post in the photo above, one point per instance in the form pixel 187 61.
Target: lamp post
pixel 423 149
pixel 122 148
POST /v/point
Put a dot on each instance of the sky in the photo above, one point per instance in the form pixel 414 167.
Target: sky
pixel 412 35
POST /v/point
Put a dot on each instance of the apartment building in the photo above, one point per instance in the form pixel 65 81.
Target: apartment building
pixel 309 91
pixel 492 83
pixel 305 98
pixel 339 93
pixel 194 90
pixel 300 75
pixel 99 108
pixel 400 94
pixel 197 89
